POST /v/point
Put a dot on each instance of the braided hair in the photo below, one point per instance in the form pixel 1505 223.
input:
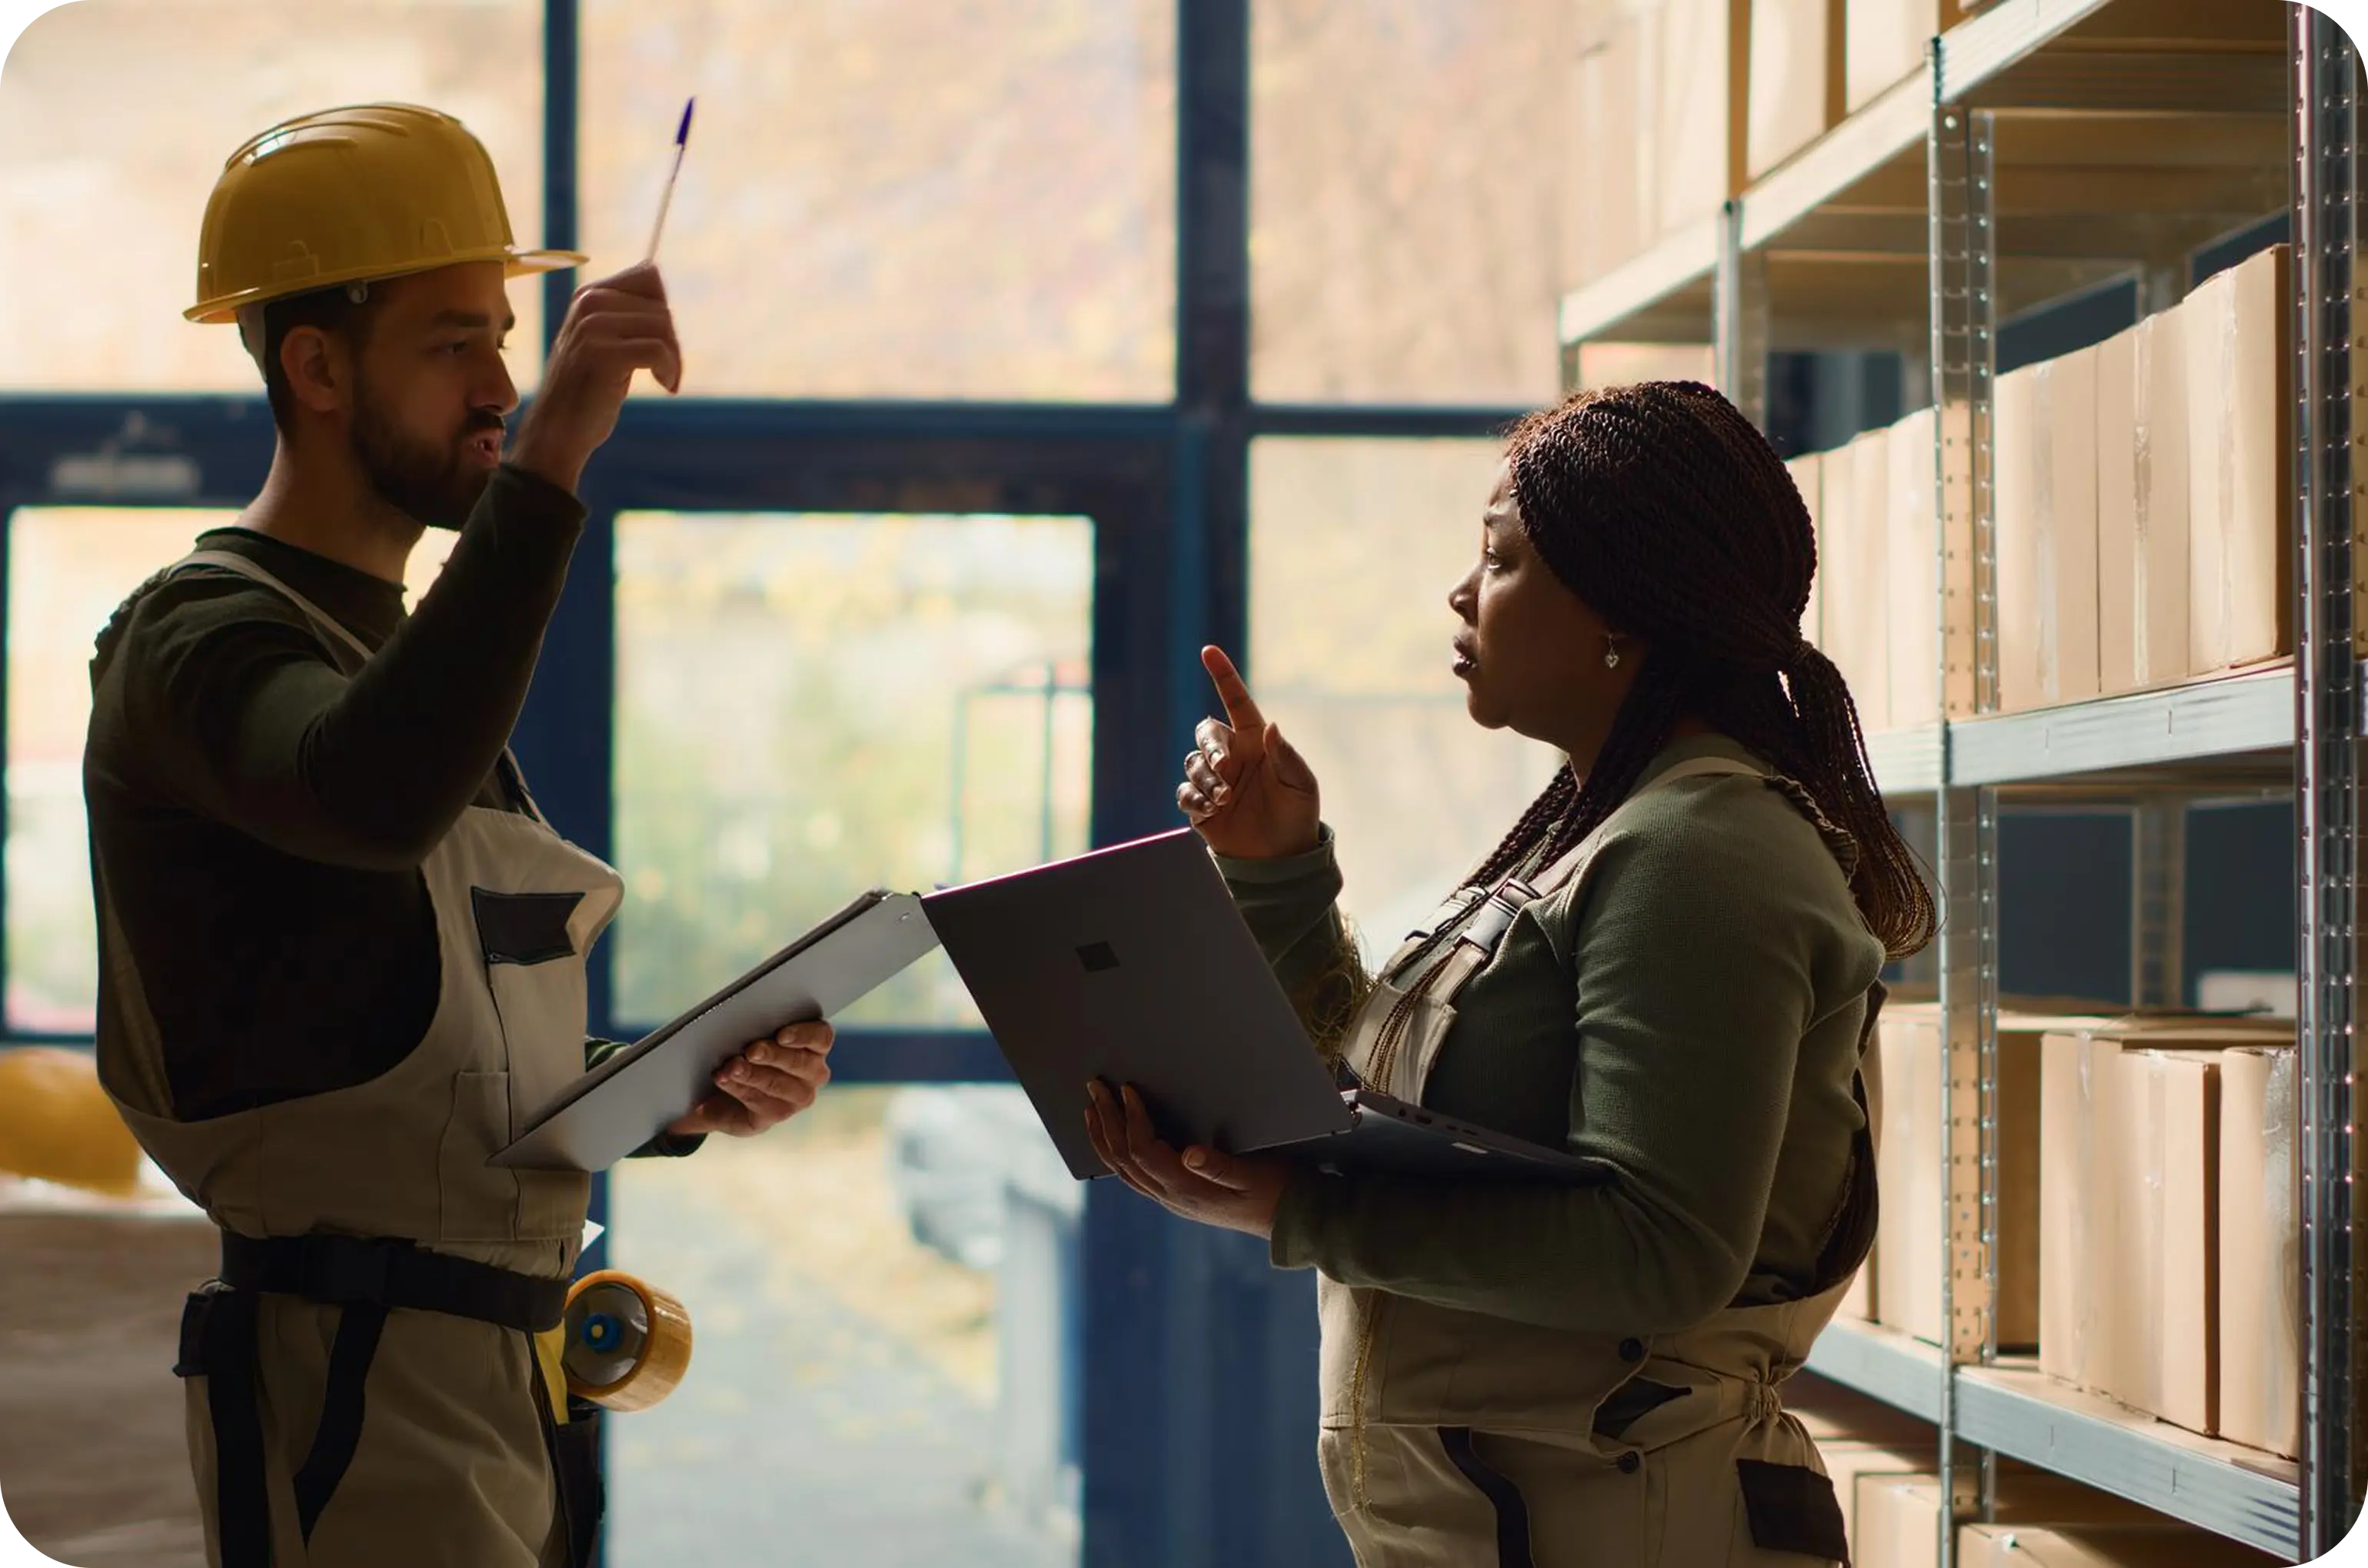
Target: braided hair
pixel 1663 509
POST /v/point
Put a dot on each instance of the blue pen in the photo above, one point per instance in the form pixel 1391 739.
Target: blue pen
pixel 666 200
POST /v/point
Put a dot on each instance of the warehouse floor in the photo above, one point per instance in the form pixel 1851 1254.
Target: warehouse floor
pixel 840 1407
pixel 94 1469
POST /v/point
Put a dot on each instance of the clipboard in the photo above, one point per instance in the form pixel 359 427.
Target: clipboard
pixel 630 1098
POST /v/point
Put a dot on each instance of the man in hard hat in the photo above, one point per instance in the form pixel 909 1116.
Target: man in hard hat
pixel 342 952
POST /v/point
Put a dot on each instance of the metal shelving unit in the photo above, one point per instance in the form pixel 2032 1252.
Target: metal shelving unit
pixel 2236 732
pixel 2017 1412
pixel 2009 1409
pixel 1965 194
pixel 1882 1363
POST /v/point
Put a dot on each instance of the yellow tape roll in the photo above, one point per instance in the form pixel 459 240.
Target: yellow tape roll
pixel 57 1124
pixel 628 1342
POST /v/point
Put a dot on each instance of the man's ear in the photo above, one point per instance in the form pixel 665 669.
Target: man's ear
pixel 319 368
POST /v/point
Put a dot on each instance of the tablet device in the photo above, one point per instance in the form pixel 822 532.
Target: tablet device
pixel 630 1098
pixel 1131 965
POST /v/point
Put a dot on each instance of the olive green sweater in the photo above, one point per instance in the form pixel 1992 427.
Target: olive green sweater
pixel 1693 1021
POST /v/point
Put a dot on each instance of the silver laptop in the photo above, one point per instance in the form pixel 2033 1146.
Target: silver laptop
pixel 1131 965
pixel 628 1099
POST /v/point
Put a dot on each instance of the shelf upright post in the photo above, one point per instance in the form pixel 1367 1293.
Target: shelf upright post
pixel 1739 319
pixel 2158 900
pixel 1961 204
pixel 2326 731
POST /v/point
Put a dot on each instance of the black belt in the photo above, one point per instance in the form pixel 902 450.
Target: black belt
pixel 367 1278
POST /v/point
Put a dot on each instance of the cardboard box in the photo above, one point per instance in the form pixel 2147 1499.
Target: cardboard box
pixel 2010 1545
pixel 1855 607
pixel 2240 345
pixel 1886 39
pixel 2070 1200
pixel 2014 498
pixel 2156 1284
pixel 1849 1465
pixel 2261 1248
pixel 2093 1254
pixel 1798 69
pixel 1895 1521
pixel 1911 1245
pixel 1896 1518
pixel 2142 501
pixel 2129 1251
pixel 2160 519
pixel 1609 148
pixel 2068 646
pixel 1808 475
pixel 1703 68
pixel 2117 494
pixel 2047 533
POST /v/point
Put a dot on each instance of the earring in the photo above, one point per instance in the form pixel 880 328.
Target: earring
pixel 1610 654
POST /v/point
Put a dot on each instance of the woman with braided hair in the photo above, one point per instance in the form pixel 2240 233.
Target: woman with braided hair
pixel 1668 966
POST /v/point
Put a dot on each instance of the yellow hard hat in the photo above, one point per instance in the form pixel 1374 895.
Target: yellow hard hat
pixel 349 195
pixel 57 1124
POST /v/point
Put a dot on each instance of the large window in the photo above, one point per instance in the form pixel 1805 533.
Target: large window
pixel 812 706
pixel 116 116
pixel 69 567
pixel 804 694
pixel 1354 545
pixel 886 1289
pixel 967 200
pixel 1405 159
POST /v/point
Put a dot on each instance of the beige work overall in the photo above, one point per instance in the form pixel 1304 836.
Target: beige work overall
pixel 457 1454
pixel 1453 1440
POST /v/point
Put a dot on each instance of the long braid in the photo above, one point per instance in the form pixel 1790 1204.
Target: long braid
pixel 1664 511
pixel 1551 807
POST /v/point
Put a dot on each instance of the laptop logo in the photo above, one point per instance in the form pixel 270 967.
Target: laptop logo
pixel 1097 957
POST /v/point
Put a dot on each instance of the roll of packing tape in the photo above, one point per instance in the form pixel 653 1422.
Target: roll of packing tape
pixel 628 1342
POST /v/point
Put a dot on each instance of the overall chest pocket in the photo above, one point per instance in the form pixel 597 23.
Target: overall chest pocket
pixel 525 928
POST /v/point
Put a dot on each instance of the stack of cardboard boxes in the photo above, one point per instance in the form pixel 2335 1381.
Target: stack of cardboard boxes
pixel 1678 105
pixel 2143 1229
pixel 2169 1281
pixel 1898 1517
pixel 1659 124
pixel 2145 513
pixel 1881 590
pixel 2144 495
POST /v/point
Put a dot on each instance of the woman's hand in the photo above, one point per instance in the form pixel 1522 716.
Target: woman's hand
pixel 765 1085
pixel 1233 1191
pixel 1250 795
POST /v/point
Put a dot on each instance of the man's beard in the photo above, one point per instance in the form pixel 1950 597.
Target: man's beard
pixel 438 488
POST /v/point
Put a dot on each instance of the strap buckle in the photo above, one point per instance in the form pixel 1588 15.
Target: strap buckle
pixel 192 1359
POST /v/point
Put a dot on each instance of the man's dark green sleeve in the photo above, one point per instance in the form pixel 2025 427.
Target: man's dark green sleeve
pixel 665 1145
pixel 249 727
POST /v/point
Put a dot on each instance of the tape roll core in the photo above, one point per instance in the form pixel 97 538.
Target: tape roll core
pixel 628 1342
